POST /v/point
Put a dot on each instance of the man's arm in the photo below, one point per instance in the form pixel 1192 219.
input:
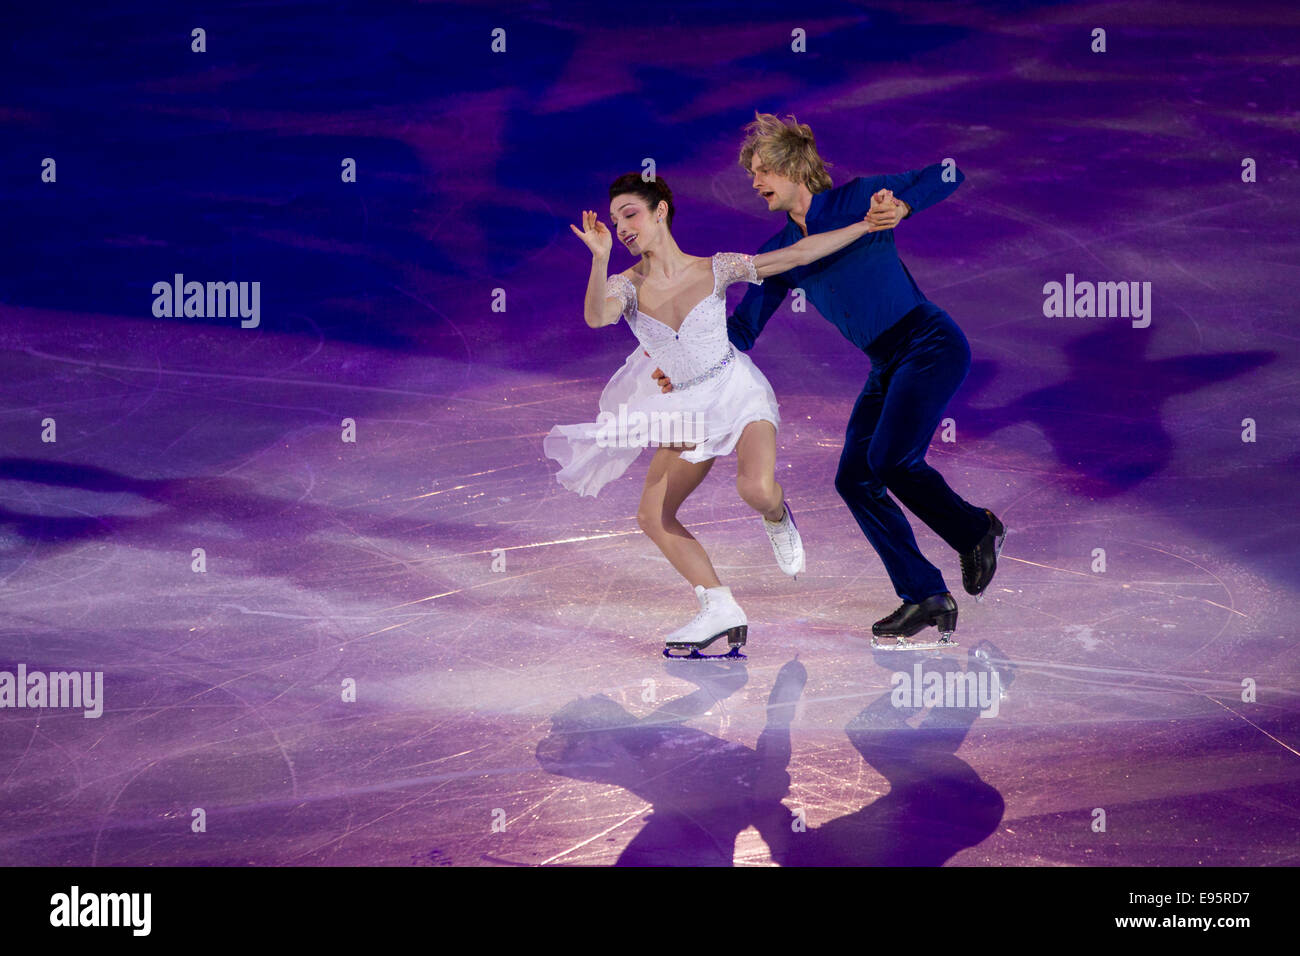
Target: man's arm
pixel 918 188
pixel 754 310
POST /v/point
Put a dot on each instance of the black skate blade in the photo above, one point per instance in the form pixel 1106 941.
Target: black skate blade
pixel 735 637
pixel 998 542
pixel 695 655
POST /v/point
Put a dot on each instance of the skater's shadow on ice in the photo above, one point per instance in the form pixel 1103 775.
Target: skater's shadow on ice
pixel 937 805
pixel 1105 420
pixel 703 790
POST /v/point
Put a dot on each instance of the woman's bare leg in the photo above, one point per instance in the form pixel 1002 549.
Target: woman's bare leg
pixel 667 484
pixel 756 470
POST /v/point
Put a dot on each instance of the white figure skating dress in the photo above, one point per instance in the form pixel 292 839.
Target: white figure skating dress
pixel 716 392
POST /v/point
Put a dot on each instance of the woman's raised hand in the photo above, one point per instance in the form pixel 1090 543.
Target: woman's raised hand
pixel 598 239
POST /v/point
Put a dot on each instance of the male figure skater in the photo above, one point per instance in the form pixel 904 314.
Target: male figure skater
pixel 918 355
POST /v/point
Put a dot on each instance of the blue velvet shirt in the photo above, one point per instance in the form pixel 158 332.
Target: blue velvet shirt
pixel 864 288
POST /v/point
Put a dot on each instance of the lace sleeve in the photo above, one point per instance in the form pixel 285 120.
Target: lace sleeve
pixel 620 287
pixel 732 267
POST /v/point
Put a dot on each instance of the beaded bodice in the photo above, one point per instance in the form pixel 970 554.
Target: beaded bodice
pixel 699 349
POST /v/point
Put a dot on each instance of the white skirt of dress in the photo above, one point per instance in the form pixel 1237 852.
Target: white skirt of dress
pixel 634 414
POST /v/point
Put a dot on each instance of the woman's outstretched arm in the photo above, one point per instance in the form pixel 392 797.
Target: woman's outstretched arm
pixel 598 308
pixel 809 249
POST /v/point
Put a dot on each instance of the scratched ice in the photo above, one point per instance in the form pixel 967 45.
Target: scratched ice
pixel 501 635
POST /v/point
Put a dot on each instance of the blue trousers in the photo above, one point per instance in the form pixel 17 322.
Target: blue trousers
pixel 917 366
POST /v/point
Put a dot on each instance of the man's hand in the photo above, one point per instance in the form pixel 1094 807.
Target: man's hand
pixel 665 385
pixel 886 211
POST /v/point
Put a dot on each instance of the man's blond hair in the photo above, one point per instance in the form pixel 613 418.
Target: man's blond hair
pixel 786 148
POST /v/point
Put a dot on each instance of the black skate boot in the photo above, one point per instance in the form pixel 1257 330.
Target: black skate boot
pixel 939 610
pixel 980 564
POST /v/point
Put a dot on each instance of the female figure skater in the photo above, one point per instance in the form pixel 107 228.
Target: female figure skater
pixel 719 401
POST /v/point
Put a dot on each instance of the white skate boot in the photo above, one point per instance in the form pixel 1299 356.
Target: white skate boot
pixel 720 616
pixel 786 543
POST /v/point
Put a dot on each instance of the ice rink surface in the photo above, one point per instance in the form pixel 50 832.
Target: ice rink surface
pixel 501 635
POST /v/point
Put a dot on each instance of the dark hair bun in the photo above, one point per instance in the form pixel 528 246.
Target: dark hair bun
pixel 652 192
